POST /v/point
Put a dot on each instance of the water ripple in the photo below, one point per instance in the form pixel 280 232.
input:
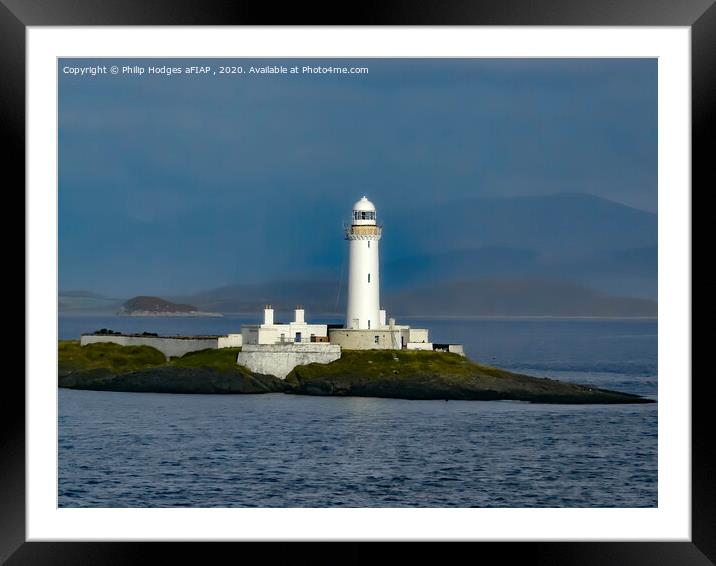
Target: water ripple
pixel 251 451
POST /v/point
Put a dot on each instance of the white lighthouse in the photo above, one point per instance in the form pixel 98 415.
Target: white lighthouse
pixel 363 235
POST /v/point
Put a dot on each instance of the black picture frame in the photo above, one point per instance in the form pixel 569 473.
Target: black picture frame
pixel 17 15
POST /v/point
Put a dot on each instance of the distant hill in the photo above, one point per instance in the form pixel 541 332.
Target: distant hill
pixel 154 305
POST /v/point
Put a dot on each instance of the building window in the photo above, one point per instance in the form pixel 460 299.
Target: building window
pixel 363 215
pixel 369 278
pixel 376 339
pixel 368 324
pixel 368 243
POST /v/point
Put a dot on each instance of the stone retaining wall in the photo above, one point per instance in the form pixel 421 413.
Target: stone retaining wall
pixel 170 347
pixel 280 359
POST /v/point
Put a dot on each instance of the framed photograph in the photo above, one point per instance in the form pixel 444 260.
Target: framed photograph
pixel 421 276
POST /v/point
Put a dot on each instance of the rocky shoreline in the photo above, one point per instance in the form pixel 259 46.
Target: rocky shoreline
pixel 170 379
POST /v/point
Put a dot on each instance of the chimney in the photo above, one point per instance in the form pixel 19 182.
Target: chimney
pixel 299 318
pixel 268 314
pixel 382 317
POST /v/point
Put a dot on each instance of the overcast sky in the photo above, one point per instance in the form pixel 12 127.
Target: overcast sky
pixel 171 184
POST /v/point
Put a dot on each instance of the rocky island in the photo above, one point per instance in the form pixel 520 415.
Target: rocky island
pixel 156 306
pixel 366 373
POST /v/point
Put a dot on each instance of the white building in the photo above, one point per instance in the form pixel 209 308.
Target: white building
pixel 276 349
pixel 296 332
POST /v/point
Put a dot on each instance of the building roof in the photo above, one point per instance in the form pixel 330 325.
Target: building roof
pixel 364 204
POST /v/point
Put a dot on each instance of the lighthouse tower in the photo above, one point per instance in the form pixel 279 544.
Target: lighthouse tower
pixel 363 235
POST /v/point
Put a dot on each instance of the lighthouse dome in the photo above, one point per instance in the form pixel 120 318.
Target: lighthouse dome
pixel 364 205
pixel 364 213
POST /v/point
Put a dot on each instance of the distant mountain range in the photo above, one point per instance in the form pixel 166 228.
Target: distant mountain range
pixel 484 296
pixel 571 237
pixel 562 255
pixel 629 272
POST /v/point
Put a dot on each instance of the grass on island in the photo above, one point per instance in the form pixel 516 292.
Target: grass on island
pixel 105 355
pixel 366 363
pixel 221 359
pixel 123 359
pixel 378 363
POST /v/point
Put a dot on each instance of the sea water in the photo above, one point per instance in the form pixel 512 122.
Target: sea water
pixel 277 450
